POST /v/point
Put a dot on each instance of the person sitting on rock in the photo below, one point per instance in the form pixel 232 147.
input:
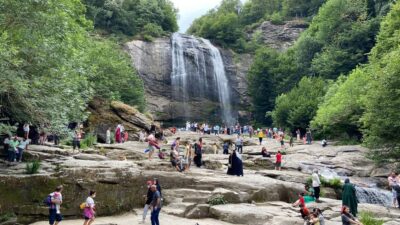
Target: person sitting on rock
pixel 314 220
pixel 309 194
pixel 176 160
pixel 321 218
pixel 302 204
pixel 347 217
pixel 265 153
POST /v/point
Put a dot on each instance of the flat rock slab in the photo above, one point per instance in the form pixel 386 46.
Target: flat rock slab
pixel 90 157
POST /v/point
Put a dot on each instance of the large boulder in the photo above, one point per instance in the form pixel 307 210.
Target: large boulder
pixel 104 115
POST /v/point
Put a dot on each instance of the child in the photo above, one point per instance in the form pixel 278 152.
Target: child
pixel 278 163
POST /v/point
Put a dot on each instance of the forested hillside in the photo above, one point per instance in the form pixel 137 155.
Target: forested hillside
pixel 228 24
pixel 341 76
pixel 52 62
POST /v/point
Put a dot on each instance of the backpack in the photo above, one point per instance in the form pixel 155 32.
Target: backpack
pixel 197 149
pixel 47 200
pixel 82 205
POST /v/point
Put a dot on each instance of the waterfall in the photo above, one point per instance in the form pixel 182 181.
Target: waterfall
pixel 198 72
pixel 179 77
pixel 222 83
pixel 374 196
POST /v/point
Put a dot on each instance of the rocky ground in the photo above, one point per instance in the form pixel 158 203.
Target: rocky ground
pixel 118 173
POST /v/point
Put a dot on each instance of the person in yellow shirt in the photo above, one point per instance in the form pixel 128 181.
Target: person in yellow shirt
pixel 260 136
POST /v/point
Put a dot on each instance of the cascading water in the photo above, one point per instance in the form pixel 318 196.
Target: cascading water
pixel 198 72
pixel 366 191
pixel 374 196
pixel 222 83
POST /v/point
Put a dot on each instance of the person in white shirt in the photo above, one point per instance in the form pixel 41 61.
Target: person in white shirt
pixel 316 185
pixel 108 136
pixel 26 130
pixel 89 210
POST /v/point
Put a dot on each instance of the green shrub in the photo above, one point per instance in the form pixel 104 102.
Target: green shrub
pixel 33 167
pixel 89 140
pixel 367 218
pixel 277 19
pixel 217 200
pixel 334 183
pixel 152 30
pixel 148 38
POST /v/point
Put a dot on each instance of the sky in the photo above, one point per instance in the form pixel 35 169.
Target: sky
pixel 192 9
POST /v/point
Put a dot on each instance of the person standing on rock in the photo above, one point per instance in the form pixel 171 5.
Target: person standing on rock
pixel 198 152
pixel 152 144
pixel 118 134
pixel 108 136
pixel 23 145
pixel 349 197
pixel 12 150
pixel 298 134
pixel 189 155
pixel 26 130
pixel 316 183
pixel 308 135
pixel 149 199
pixel 392 179
pixel 225 147
pixel 155 205
pixel 239 144
pixel 76 142
pixel 278 162
pixel 55 216
pixel 89 210
pixel 260 136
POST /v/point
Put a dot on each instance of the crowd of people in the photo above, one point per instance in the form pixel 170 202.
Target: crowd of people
pixel 193 155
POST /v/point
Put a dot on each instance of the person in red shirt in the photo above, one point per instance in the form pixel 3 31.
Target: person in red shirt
pixel 302 204
pixel 278 163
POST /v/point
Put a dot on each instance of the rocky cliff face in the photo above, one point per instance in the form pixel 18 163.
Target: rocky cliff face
pixel 154 62
pixel 180 74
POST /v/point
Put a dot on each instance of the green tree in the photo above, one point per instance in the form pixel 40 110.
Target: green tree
pixel 381 118
pixel 296 108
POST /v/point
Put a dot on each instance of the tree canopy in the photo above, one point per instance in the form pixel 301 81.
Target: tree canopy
pixel 52 66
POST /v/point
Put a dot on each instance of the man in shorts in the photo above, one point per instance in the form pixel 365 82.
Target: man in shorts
pixel 278 162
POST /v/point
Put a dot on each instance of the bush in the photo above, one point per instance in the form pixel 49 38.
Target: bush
pixel 89 140
pixel 334 183
pixel 152 30
pixel 277 19
pixel 367 218
pixel 216 200
pixel 33 167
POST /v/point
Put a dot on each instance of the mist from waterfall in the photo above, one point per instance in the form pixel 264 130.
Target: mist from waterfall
pixel 198 72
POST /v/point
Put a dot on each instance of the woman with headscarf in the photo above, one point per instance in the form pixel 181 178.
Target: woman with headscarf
pixel 118 134
pixel 349 197
pixel 235 166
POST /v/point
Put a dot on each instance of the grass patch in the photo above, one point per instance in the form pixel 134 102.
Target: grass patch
pixel 368 218
pixel 33 167
pixel 217 200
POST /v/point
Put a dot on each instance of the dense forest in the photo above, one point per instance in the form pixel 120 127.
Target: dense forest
pixel 57 55
pixel 341 77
